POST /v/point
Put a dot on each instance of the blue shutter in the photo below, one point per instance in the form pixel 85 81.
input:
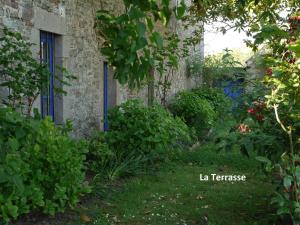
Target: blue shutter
pixel 47 46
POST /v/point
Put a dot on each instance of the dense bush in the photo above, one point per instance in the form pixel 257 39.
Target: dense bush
pixel 216 97
pixel 138 137
pixel 41 168
pixel 197 112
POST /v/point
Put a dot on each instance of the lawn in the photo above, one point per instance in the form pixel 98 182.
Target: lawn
pixel 175 195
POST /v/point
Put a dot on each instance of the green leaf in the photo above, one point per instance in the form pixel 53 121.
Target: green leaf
pixel 263 159
pixel 297 210
pixel 249 145
pixel 12 210
pixel 141 29
pixel 157 38
pixel 141 43
pixel 103 15
pixel 180 10
pixel 173 61
pixel 20 133
pixel 135 13
pixel 13 144
pixel 287 181
pixel 296 48
pixel 3 176
pixel 150 24
pixel 297 172
pixel 166 2
pixel 283 210
pixel 165 15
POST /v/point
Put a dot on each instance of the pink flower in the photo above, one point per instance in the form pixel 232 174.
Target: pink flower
pixel 251 111
pixel 243 128
pixel 269 72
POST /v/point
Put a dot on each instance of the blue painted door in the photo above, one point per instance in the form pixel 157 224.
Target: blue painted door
pixel 47 46
pixel 234 89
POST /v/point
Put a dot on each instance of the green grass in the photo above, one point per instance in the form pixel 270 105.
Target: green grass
pixel 175 195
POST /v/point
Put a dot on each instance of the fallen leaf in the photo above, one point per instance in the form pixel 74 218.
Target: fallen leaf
pixel 85 218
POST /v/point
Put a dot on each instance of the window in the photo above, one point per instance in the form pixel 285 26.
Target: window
pixel 51 102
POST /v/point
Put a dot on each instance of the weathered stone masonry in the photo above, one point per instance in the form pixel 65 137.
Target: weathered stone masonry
pixel 73 21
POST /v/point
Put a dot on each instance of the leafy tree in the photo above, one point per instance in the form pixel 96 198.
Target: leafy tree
pixel 247 15
pixel 133 46
pixel 21 75
pixel 131 42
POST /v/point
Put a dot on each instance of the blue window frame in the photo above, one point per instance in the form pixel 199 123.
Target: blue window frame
pixel 105 97
pixel 47 45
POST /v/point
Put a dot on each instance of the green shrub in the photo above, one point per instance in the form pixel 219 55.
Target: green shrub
pixel 138 137
pixel 216 97
pixel 198 113
pixel 109 164
pixel 41 168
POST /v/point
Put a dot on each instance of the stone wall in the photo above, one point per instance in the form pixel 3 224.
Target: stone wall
pixel 180 80
pixel 72 21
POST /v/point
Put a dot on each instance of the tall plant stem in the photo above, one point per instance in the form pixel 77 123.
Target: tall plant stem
pixel 286 130
pixel 291 151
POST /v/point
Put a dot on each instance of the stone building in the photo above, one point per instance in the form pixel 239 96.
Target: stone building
pixel 63 34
